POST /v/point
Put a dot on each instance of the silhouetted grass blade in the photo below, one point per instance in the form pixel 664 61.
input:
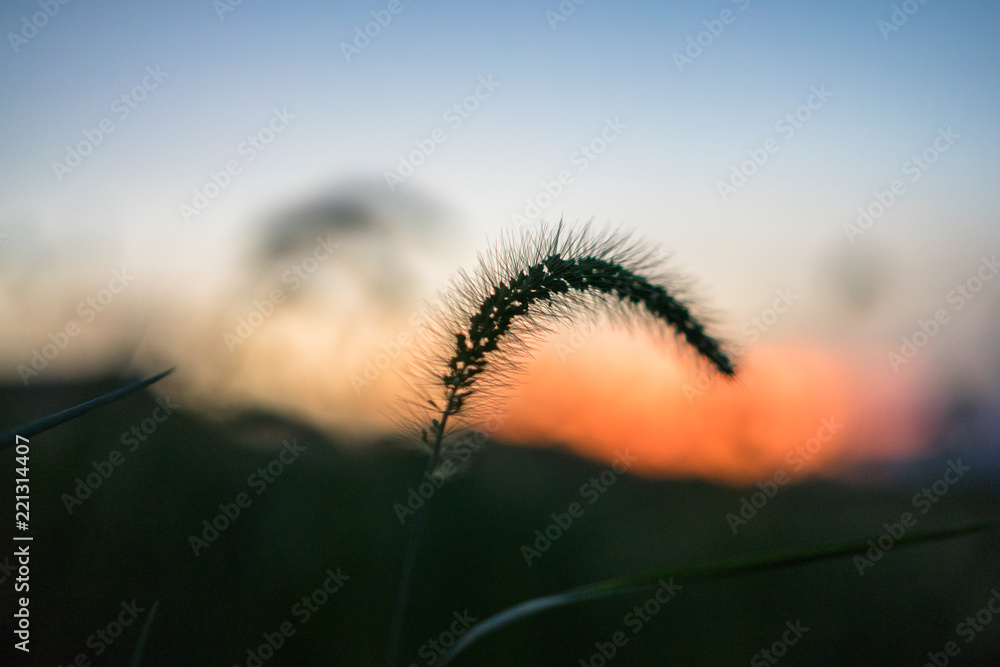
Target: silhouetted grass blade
pixel 45 423
pixel 691 574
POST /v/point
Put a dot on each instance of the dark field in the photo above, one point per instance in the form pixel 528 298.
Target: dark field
pixel 328 517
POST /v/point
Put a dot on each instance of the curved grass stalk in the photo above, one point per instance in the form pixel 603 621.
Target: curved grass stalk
pixel 692 574
pixel 524 284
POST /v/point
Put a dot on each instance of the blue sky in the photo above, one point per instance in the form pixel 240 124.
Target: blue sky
pixel 605 59
pixel 558 86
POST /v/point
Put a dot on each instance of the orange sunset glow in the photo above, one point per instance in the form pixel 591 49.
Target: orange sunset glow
pixel 794 407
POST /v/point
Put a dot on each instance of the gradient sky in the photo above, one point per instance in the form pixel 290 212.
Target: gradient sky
pixel 559 84
pixel 685 129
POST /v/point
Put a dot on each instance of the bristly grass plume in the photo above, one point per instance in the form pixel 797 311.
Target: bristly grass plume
pixel 529 281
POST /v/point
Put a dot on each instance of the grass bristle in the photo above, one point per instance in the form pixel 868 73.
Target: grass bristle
pixel 525 284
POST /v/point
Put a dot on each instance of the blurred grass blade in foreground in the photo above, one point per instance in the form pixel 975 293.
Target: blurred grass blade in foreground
pixel 694 573
pixel 45 423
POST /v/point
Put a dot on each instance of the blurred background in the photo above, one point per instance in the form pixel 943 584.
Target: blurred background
pixel 270 197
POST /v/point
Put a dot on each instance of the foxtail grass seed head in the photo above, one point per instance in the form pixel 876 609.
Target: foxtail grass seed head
pixel 526 283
